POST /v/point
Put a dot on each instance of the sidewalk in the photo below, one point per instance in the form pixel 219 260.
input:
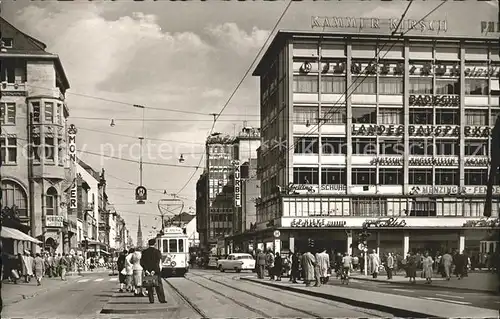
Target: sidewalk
pixel 478 281
pixel 13 293
pixel 399 306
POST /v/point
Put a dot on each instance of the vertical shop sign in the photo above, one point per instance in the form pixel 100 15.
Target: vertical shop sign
pixel 237 185
pixel 72 156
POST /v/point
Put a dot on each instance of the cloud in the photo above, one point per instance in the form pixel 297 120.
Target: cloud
pixel 213 93
pixel 230 36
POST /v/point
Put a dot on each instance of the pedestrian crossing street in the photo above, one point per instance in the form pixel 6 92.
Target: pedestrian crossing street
pixel 96 280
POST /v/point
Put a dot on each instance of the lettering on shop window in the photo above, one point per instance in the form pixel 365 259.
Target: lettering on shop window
pixel 477 162
pixel 292 188
pixel 436 100
pixel 477 131
pixel 451 190
pixel 387 161
pixel 384 222
pixel 433 130
pixel 483 222
pixel 422 161
pixel 316 223
pixel 491 71
pixel 373 130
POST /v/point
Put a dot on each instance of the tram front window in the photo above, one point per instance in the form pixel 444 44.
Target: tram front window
pixel 165 245
pixel 181 245
pixel 172 245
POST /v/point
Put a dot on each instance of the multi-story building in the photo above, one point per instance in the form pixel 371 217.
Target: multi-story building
pixel 33 137
pixel 384 132
pixel 87 211
pixel 224 153
pixel 202 209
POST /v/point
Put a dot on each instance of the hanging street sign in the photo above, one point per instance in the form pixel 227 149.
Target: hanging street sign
pixel 141 194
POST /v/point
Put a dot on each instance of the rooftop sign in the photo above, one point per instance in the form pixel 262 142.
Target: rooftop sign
pixel 359 23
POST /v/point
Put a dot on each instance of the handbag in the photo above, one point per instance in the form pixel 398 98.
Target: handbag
pixel 150 279
pixel 15 274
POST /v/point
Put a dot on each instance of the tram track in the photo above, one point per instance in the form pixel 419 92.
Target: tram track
pixel 265 315
pixel 187 300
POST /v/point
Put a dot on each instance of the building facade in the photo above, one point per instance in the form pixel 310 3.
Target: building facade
pixel 88 213
pixel 34 160
pixel 384 133
pixel 202 209
pixel 224 153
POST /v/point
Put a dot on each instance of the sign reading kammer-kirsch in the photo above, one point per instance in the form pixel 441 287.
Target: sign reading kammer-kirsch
pixel 360 23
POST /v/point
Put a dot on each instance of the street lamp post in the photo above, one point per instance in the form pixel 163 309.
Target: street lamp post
pixel 363 237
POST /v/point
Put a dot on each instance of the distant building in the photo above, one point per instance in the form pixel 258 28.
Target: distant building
pixel 188 222
pixel 139 234
pixel 224 153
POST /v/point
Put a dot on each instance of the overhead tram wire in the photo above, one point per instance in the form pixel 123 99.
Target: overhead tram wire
pixel 216 116
pixel 152 119
pixel 322 121
pixel 135 105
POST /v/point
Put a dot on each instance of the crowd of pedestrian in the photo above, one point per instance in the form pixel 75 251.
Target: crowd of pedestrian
pixel 133 265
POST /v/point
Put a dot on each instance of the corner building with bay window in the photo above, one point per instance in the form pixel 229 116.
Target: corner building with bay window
pixel 402 146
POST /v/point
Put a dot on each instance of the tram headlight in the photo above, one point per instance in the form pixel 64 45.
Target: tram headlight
pixel 173 264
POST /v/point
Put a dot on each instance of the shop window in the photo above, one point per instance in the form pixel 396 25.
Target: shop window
pixel 447 117
pixel 447 86
pixel 51 202
pixel 333 84
pixel 476 147
pixel 369 207
pixel 390 85
pixel 473 208
pixel 333 115
pixel 447 147
pixel 14 196
pixel 364 176
pixel 8 150
pixel 49 112
pixel 421 116
pixel 476 117
pixel 421 147
pixel 305 175
pixel 447 176
pixel 423 208
pixel 307 115
pixel 420 176
pixel 364 115
pixel 390 176
pixel 391 147
pixel 305 84
pixel 363 85
pixel 476 87
pixel 7 113
pixel 420 85
pixel 476 176
pixel 364 146
pixel 448 207
pixel 306 145
pixel 390 116
pixel 333 176
pixel 334 145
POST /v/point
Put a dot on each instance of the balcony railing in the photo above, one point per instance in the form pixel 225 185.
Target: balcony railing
pixel 14 87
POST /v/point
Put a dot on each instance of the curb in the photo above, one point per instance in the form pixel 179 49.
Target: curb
pixel 29 296
pixel 397 312
pixel 490 292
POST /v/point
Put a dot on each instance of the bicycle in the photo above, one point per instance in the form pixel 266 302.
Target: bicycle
pixel 344 276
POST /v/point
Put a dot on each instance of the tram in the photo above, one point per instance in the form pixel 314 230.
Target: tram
pixel 173 245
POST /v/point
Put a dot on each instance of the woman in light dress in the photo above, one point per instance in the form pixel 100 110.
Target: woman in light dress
pixel 137 273
pixel 128 270
pixel 27 263
pixel 427 263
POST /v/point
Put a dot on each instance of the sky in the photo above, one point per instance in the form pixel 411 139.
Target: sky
pixel 184 56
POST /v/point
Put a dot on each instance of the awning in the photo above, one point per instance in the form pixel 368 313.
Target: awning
pixel 13 233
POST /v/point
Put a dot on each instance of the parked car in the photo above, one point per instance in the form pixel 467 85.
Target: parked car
pixel 237 262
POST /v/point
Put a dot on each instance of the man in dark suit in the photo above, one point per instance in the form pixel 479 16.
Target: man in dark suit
pixel 151 261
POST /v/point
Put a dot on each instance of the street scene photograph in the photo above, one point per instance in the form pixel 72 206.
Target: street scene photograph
pixel 249 159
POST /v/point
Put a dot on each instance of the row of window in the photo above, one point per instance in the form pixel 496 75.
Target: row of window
pixel 388 176
pixel 221 217
pixel 397 207
pixel 388 85
pixel 370 115
pixel 370 146
pixel 52 113
pixel 173 246
pixel 13 195
pixel 51 150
